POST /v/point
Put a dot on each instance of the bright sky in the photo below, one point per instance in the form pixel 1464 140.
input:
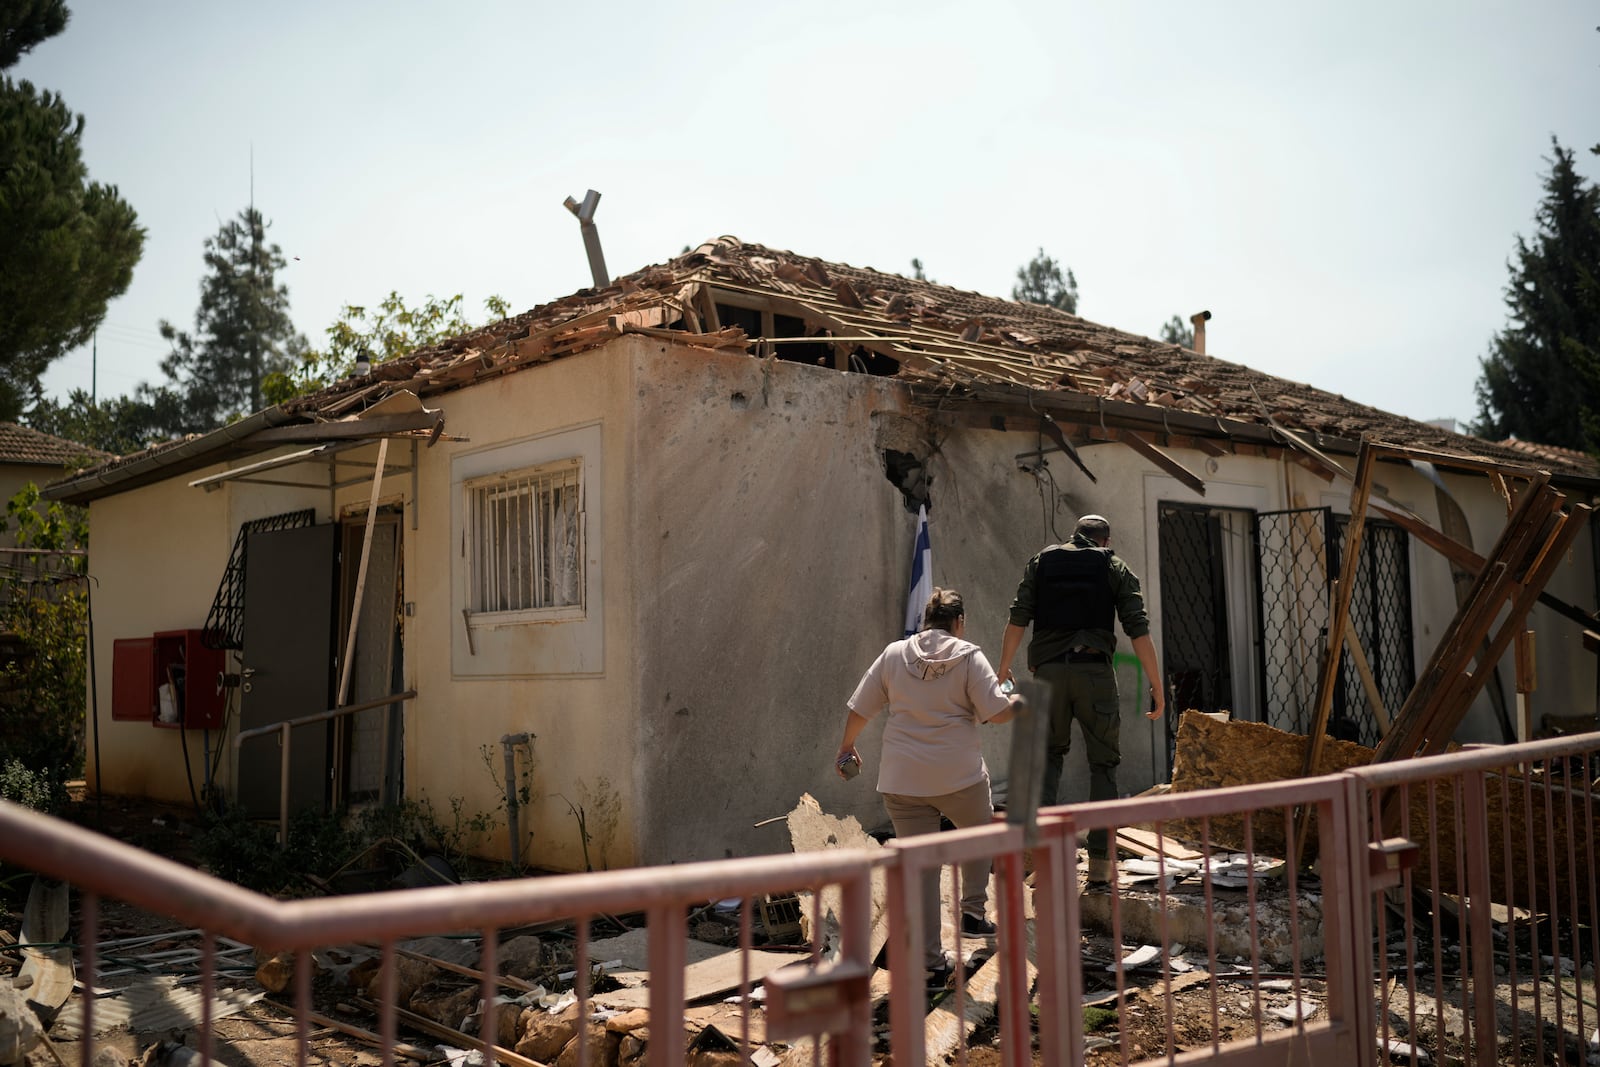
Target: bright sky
pixel 1340 185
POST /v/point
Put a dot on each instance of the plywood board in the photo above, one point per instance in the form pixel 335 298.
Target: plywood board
pixel 716 976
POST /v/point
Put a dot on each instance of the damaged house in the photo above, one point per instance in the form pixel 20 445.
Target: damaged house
pixel 632 549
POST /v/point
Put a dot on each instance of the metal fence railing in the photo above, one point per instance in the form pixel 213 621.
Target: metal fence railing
pixel 1442 911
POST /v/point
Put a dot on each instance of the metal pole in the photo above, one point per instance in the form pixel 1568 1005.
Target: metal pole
pixel 283 783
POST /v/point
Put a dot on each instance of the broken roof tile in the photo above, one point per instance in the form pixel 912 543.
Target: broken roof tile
pixel 1052 350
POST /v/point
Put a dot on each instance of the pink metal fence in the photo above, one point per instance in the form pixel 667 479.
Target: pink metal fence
pixel 1495 922
pixel 1436 912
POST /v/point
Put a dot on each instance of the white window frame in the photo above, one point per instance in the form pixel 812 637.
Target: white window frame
pixel 534 481
pixel 552 642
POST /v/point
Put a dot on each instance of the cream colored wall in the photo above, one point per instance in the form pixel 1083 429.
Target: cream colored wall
pixel 156 555
pixel 583 750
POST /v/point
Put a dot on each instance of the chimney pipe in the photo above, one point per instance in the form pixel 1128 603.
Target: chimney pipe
pixel 591 236
pixel 1198 320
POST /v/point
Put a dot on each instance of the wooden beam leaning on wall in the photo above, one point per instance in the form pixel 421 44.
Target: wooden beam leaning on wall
pixel 1540 533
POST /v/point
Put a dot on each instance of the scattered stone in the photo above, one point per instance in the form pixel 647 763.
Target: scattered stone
pixel 633 1050
pixel 1400 1052
pixel 19 1027
pixel 109 1056
pixel 545 1035
pixel 601 1048
pixel 446 1005
pixel 275 974
pixel 629 1020
pixel 521 957
pixel 1137 958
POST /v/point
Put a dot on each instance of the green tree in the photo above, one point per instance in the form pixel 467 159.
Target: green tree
pixel 379 334
pixel 1178 332
pixel 1041 281
pixel 242 331
pixel 1541 378
pixel 44 607
pixel 24 23
pixel 120 425
pixel 69 244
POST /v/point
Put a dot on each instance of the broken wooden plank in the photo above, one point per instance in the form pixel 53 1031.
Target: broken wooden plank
pixel 366 1037
pixel 1529 546
pixel 1149 843
pixel 714 977
pixel 944 1031
pixel 458 1038
pixel 1328 676
pixel 1368 682
pixel 1149 451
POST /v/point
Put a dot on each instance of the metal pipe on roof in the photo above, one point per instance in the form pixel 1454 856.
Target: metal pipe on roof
pixel 1198 320
pixel 591 236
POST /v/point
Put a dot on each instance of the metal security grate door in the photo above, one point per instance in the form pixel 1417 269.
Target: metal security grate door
pixel 1293 569
pixel 1380 615
pixel 1298 556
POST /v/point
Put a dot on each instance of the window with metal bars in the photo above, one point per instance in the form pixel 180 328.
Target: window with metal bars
pixel 525 540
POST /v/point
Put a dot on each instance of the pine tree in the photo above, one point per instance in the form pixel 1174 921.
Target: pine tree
pixel 67 245
pixel 1041 281
pixel 1541 378
pixel 1178 332
pixel 25 23
pixel 242 331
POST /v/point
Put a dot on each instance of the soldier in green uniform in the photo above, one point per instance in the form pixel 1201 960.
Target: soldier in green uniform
pixel 1072 593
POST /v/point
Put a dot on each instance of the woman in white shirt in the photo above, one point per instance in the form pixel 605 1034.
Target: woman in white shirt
pixel 938 687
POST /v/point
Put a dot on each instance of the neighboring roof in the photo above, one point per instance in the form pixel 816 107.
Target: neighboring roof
pixel 968 355
pixel 1547 453
pixel 20 444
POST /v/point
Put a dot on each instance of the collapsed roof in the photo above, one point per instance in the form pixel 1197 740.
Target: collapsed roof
pixel 975 358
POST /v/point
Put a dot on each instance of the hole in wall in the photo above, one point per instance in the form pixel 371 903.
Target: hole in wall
pixel 906 473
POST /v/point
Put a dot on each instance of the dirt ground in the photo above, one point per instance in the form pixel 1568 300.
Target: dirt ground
pixel 263 1034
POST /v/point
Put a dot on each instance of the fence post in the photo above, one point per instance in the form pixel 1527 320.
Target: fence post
pixel 1474 802
pixel 907 996
pixel 1347 919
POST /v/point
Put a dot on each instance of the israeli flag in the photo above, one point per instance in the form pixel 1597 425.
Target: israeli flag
pixel 921 575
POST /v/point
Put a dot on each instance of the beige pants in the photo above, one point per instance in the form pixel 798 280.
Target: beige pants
pixel 972 806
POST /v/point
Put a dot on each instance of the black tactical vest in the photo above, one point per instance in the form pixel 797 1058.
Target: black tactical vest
pixel 1072 589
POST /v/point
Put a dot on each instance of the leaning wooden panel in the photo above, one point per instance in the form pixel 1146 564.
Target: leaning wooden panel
pixel 1214 753
pixel 1529 832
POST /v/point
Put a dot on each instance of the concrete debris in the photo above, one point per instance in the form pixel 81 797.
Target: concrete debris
pixel 19 1027
pixel 1139 957
pixel 1296 1010
pixel 1401 1052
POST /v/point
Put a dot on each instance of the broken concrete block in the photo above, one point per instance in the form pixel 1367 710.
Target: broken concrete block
pixel 275 974
pixel 409 976
pixel 545 1035
pixel 629 1020
pixel 634 1050
pixel 109 1056
pixel 521 957
pixel 19 1027
pixel 601 1048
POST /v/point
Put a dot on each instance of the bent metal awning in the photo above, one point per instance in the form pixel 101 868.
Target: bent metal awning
pixel 400 415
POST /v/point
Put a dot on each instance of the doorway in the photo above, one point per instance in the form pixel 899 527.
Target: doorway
pixel 368 745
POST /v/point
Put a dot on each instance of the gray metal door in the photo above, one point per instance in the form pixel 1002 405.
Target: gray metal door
pixel 287 663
